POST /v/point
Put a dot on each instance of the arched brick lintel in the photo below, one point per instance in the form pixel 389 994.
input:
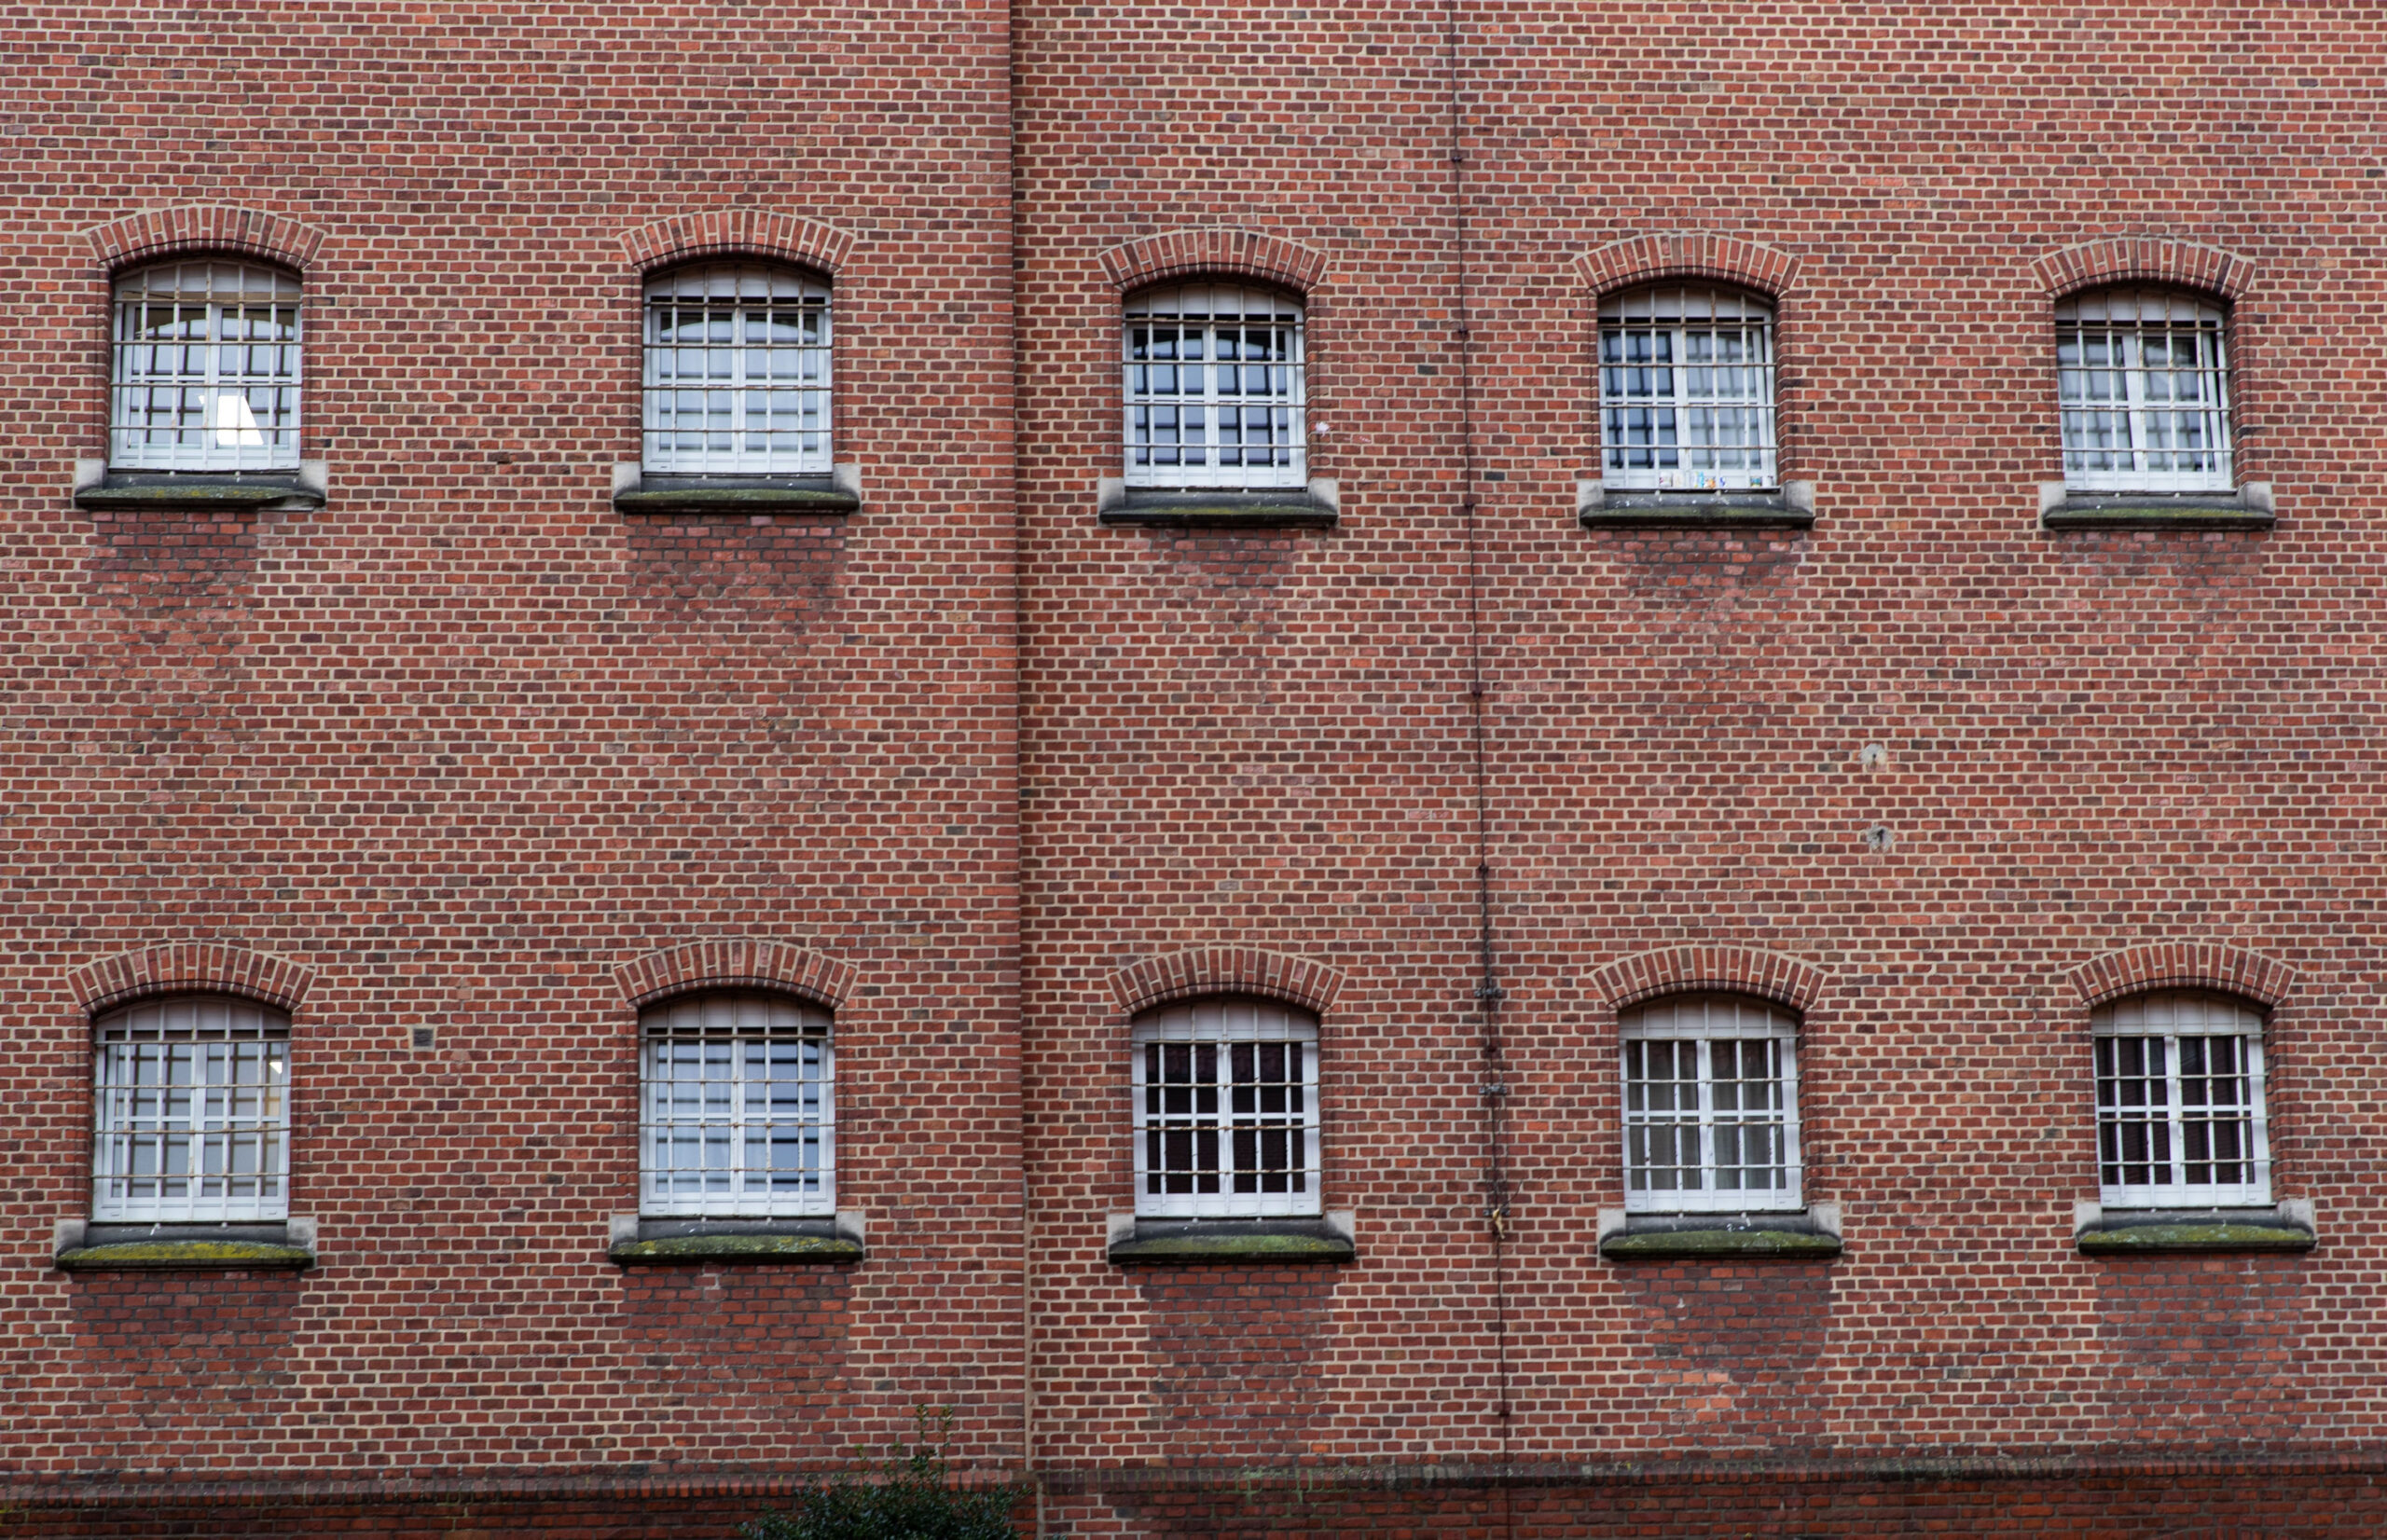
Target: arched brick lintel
pixel 196 968
pixel 737 964
pixel 1226 971
pixel 2183 965
pixel 1186 254
pixel 1687 253
pixel 1687 970
pixel 154 233
pixel 730 232
pixel 2144 259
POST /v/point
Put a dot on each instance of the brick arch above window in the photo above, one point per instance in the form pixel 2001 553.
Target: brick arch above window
pixel 2143 259
pixel 1214 251
pixel 1728 969
pixel 737 964
pixel 2182 965
pixel 740 232
pixel 1226 971
pixel 155 233
pixel 1687 253
pixel 193 967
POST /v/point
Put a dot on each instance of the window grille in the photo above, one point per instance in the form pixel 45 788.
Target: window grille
pixel 206 369
pixel 736 372
pixel 739 1121
pixel 1226 1111
pixel 192 1113
pixel 1686 390
pixel 1711 1106
pixel 2180 1103
pixel 1215 395
pixel 2144 386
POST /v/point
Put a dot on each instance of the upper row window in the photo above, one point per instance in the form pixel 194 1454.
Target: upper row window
pixel 206 369
pixel 737 358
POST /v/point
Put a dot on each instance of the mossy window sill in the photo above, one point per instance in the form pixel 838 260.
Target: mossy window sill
pixel 2124 512
pixel 736 495
pixel 785 1242
pixel 184 1257
pixel 1290 509
pixel 1722 1245
pixel 1791 508
pixel 1212 1242
pixel 2125 1233
pixel 195 493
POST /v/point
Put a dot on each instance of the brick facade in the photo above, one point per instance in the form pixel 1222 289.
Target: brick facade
pixel 469 752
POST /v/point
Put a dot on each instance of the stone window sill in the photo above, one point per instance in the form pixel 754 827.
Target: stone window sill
pixel 1811 1236
pixel 99 490
pixel 2124 1232
pixel 1313 508
pixel 2248 508
pixel 635 492
pixel 86 1247
pixel 1145 1243
pixel 1597 507
pixel 781 1242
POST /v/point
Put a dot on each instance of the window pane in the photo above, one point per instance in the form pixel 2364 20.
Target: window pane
pixel 1213 389
pixel 1226 1111
pixel 738 372
pixel 1686 390
pixel 1710 1109
pixel 190 1117
pixel 206 372
pixel 738 1118
pixel 2143 389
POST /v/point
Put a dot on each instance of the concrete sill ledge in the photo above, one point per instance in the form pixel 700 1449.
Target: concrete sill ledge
pixel 85 1247
pixel 662 1243
pixel 1791 508
pixel 1812 1235
pixel 735 495
pixel 230 494
pixel 1195 1241
pixel 1289 509
pixel 2248 508
pixel 2123 1232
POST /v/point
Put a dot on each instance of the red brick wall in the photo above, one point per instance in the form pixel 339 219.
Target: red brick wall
pixel 465 740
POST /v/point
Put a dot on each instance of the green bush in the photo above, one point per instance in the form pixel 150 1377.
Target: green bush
pixel 906 1496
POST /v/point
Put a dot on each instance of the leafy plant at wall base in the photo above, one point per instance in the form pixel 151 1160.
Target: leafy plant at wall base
pixel 907 1494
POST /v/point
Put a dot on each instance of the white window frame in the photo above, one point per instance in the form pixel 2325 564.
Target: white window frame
pixel 2136 404
pixel 215 402
pixel 1703 1021
pixel 134 1072
pixel 727 1126
pixel 1664 394
pixel 740 373
pixel 2168 1016
pixel 1154 390
pixel 1222 1024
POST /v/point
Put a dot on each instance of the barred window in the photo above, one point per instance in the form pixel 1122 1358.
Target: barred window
pixel 1686 390
pixel 2144 386
pixel 1711 1106
pixel 205 376
pixel 2180 1103
pixel 192 1119
pixel 739 1121
pixel 736 371
pixel 1215 394
pixel 1226 1111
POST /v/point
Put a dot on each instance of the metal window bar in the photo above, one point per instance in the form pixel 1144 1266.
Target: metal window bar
pixel 2143 388
pixel 2180 1103
pixel 739 1119
pixel 1686 390
pixel 1226 1111
pixel 1711 1106
pixel 206 369
pixel 1215 394
pixel 738 364
pixel 191 1116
